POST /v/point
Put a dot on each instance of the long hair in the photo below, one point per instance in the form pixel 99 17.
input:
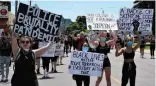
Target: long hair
pixel 30 40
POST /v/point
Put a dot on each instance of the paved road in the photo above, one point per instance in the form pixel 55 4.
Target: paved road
pixel 145 73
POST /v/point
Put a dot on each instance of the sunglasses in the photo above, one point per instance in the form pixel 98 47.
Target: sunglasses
pixel 23 42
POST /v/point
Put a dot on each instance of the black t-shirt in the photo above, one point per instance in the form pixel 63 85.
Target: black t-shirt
pixel 103 49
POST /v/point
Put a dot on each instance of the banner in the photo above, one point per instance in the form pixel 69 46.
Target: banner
pixel 101 22
pixel 37 23
pixel 50 52
pixel 86 63
pixel 59 50
pixel 143 16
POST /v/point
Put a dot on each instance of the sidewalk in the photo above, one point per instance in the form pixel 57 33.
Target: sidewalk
pixel 145 51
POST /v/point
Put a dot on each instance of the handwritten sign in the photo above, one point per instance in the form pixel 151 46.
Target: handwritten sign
pixel 59 50
pixel 86 63
pixel 37 23
pixel 101 22
pixel 143 16
pixel 50 52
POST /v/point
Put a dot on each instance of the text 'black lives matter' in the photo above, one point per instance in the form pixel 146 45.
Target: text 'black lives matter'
pixel 37 23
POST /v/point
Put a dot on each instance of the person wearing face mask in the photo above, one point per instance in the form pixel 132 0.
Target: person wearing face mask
pixel 103 47
pixel 82 78
pixel 129 67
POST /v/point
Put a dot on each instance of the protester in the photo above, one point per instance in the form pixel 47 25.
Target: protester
pixel 5 56
pixel 152 46
pixel 70 41
pixel 24 74
pixel 75 42
pixel 62 55
pixel 80 40
pixel 66 46
pixel 54 59
pixel 129 67
pixel 45 62
pixel 37 61
pixel 82 78
pixel 142 47
pixel 102 47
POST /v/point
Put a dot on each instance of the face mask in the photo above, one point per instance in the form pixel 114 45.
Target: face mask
pixel 85 49
pixel 129 43
pixel 102 39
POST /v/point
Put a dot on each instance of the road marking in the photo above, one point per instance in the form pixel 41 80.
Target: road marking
pixel 116 80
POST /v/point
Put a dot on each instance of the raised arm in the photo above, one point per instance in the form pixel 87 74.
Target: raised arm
pixel 113 40
pixel 14 44
pixel 138 43
pixel 119 50
pixel 42 50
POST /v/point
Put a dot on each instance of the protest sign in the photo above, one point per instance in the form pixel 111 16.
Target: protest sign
pixel 59 50
pixel 86 63
pixel 51 50
pixel 101 22
pixel 37 23
pixel 143 16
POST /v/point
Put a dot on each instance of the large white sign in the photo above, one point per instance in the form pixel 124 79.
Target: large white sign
pixel 143 16
pixel 101 22
pixel 3 11
pixel 50 52
pixel 59 50
pixel 86 63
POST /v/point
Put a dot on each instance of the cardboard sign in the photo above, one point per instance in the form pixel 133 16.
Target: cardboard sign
pixel 59 50
pixel 50 52
pixel 143 16
pixel 37 23
pixel 86 63
pixel 101 22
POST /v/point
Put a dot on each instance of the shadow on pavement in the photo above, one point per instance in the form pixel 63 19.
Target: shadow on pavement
pixel 43 78
pixel 56 72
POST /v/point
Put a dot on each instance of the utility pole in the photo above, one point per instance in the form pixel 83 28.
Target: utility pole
pixel 30 2
pixel 16 4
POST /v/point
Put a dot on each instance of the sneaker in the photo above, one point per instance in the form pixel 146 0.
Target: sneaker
pixel 2 80
pixel 55 71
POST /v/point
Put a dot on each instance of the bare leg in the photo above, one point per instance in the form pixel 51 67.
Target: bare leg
pixel 108 74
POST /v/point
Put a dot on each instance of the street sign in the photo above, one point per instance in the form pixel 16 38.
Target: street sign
pixel 3 11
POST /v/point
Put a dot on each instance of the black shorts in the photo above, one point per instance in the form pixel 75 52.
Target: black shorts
pixel 54 59
pixel 106 63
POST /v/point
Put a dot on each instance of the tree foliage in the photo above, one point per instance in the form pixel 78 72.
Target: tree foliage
pixel 79 25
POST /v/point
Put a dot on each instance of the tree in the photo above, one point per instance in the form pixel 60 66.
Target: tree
pixel 146 5
pixel 81 21
pixel 79 25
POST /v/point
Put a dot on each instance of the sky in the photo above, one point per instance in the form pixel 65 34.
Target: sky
pixel 71 9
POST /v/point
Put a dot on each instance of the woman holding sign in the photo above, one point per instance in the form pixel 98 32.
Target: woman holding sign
pixel 129 67
pixel 24 56
pixel 82 78
pixel 103 47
